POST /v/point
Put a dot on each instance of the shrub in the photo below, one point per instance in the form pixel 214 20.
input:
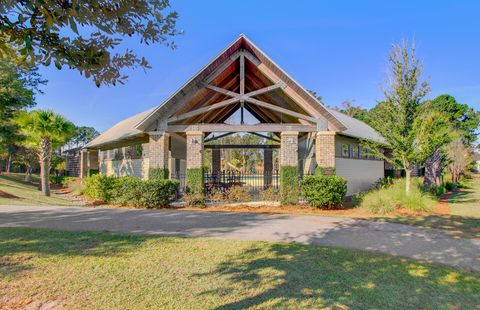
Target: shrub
pixel 238 194
pixel 324 170
pixel 451 186
pixel 158 193
pixel 158 173
pixel 194 199
pixel 99 187
pixel 437 190
pixel 289 185
pixel 129 191
pixel 384 200
pixel 324 191
pixel 61 179
pixel 194 180
pixel 383 183
pixel 269 194
pixel 216 195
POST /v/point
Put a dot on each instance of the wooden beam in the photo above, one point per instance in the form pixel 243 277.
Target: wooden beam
pixel 220 90
pixel 251 58
pixel 203 110
pixel 242 128
pixel 265 89
pixel 242 75
pixel 280 109
pixel 218 137
pixel 264 136
pixel 241 146
pixel 223 66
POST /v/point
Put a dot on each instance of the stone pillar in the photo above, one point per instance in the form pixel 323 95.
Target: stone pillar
pixel 88 162
pixel 267 167
pixel 216 161
pixel 158 153
pixel 194 179
pixel 83 163
pixel 289 148
pixel 325 149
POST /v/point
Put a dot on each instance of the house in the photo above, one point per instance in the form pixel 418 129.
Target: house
pixel 170 138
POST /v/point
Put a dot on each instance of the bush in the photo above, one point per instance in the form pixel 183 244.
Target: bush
pixel 129 191
pixel 324 191
pixel 389 199
pixel 437 190
pixel 194 180
pixel 99 187
pixel 238 194
pixel 158 173
pixel 61 180
pixel 194 199
pixel 451 186
pixel 216 195
pixel 289 185
pixel 269 194
pixel 383 183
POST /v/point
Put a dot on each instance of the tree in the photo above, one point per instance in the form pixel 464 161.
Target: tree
pixel 401 120
pixel 459 155
pixel 353 111
pixel 463 118
pixel 18 87
pixel 84 35
pixel 82 136
pixel 45 130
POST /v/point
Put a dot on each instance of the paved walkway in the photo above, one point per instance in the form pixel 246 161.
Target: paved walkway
pixel 422 243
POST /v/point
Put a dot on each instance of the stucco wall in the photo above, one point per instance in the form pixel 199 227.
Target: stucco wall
pixel 361 174
pixel 127 167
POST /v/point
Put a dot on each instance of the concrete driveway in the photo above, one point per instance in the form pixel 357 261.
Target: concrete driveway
pixel 396 239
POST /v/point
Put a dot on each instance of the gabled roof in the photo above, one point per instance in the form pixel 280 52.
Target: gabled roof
pixel 356 128
pixel 242 42
pixel 120 131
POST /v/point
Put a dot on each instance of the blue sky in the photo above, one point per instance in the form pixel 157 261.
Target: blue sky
pixel 337 48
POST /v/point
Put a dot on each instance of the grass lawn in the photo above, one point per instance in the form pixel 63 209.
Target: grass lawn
pixel 463 220
pixel 101 270
pixel 14 191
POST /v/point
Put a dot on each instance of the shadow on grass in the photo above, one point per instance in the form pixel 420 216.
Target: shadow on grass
pixel 19 245
pixel 298 276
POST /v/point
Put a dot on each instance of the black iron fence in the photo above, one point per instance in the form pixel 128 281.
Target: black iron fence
pixel 254 186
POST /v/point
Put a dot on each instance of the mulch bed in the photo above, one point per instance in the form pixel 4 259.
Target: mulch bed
pixel 7 195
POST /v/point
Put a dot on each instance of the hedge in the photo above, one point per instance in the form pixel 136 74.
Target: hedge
pixel 324 191
pixel 158 173
pixel 131 191
pixel 194 180
pixel 289 185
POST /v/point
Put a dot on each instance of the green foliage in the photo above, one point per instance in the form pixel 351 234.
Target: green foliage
pixel 383 183
pixel 42 32
pixel 129 191
pixel 324 191
pixel 99 187
pixel 238 194
pixel 82 136
pixel 158 173
pixel 289 185
pixel 451 186
pixel 392 198
pixel 437 190
pixel 463 118
pixel 194 180
pixel 412 131
pixel 61 180
pixel 93 172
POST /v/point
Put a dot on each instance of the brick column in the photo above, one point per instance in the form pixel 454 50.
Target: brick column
pixel 194 178
pixel 83 163
pixel 289 148
pixel 158 151
pixel 325 149
pixel 194 149
pixel 267 167
pixel 88 161
pixel 216 164
pixel 93 162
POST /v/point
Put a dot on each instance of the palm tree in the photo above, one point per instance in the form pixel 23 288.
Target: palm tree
pixel 45 130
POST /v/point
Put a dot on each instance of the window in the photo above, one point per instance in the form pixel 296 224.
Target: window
pixel 345 150
pixel 118 154
pixel 355 151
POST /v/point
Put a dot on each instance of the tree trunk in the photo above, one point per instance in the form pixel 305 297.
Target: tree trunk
pixel 44 156
pixel 28 174
pixel 433 170
pixel 9 161
pixel 407 180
